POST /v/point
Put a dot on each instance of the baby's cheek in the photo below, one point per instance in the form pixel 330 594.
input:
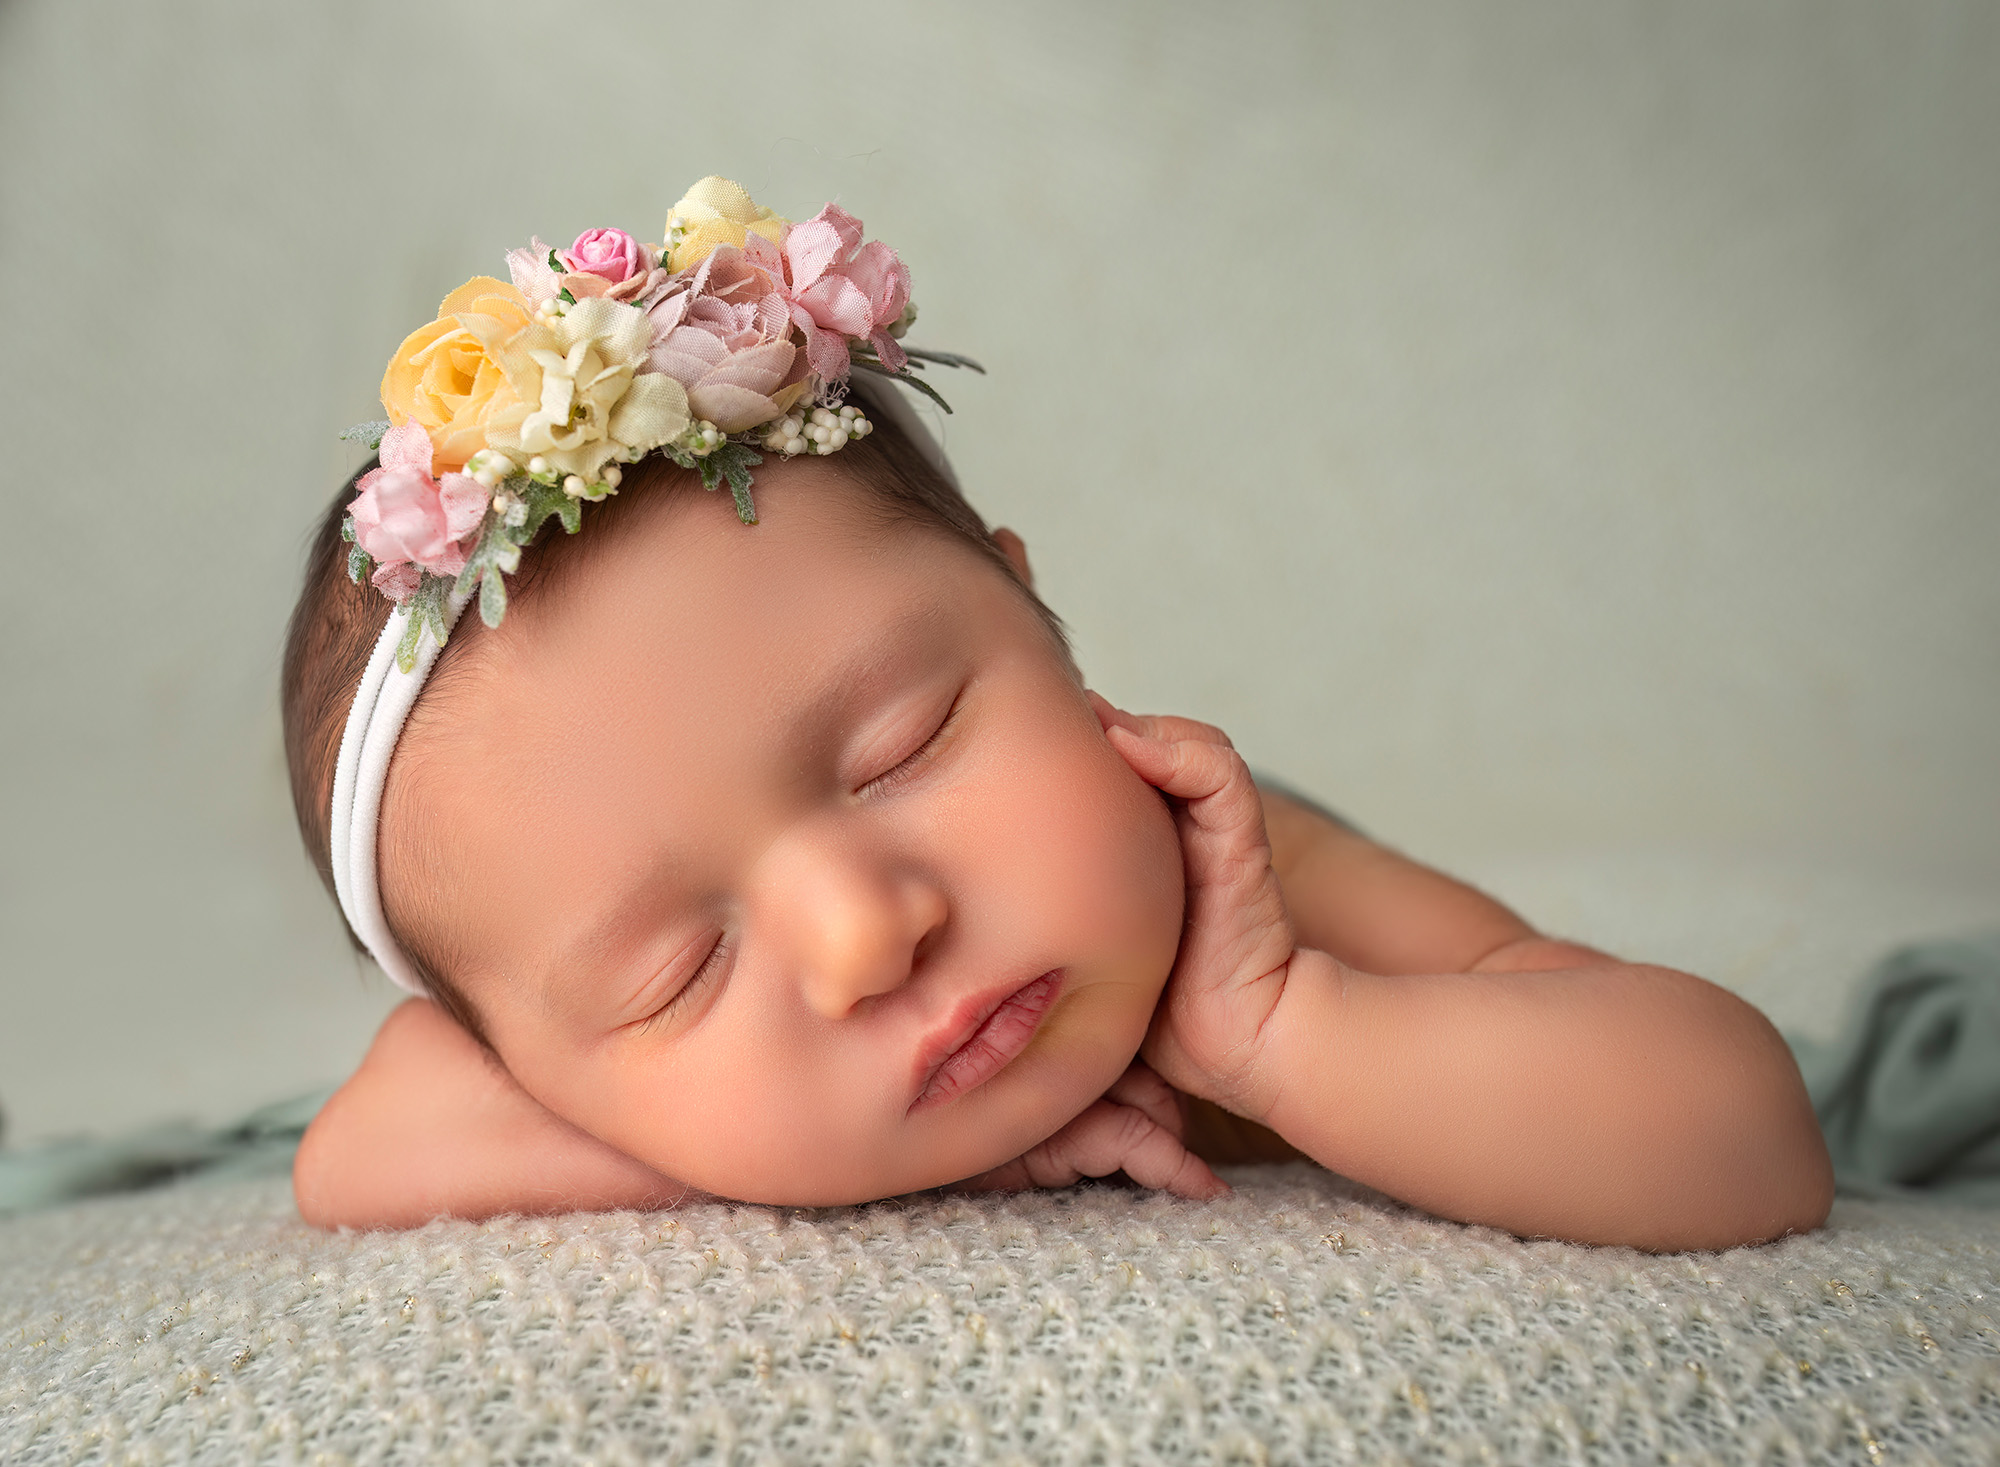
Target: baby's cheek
pixel 1113 867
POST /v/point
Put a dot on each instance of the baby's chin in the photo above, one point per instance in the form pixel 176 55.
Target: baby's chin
pixel 1090 1037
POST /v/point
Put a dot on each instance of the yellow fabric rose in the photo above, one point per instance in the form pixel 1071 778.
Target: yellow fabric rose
pixel 716 212
pixel 441 377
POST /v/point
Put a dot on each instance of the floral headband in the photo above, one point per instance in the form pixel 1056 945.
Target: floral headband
pixel 740 332
pixel 521 401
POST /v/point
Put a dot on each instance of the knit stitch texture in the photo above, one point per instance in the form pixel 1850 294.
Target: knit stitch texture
pixel 1305 1319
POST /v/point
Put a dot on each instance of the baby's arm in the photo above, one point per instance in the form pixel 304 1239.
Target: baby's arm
pixel 432 1124
pixel 1475 1068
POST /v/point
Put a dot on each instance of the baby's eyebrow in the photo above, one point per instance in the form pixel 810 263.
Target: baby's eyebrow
pixel 837 689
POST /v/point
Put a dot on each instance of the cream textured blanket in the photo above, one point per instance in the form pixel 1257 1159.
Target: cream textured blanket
pixel 1306 1319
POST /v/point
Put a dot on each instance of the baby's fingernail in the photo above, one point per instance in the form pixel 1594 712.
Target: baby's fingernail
pixel 1108 713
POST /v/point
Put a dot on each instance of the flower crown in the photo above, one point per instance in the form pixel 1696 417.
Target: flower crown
pixel 521 401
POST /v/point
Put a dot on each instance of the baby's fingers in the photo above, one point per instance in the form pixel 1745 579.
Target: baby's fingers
pixel 1142 1088
pixel 1110 1137
pixel 1154 725
pixel 1106 1138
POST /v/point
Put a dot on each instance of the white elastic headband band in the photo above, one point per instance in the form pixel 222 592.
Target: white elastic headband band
pixel 383 701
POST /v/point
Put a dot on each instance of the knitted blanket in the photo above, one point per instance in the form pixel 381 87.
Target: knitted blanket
pixel 1305 1319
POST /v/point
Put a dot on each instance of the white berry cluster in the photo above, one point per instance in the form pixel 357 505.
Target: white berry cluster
pixel 701 438
pixel 493 469
pixel 821 431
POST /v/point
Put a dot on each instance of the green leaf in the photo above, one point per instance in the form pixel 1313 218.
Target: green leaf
pixel 542 501
pixel 732 462
pixel 943 359
pixel 357 564
pixel 406 650
pixel 564 295
pixel 347 529
pixel 427 609
pixel 369 433
pixel 492 598
pixel 907 378
pixel 555 264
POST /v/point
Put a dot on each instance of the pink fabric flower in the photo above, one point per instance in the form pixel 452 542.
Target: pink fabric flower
pixel 725 338
pixel 611 254
pixel 840 287
pixel 408 521
pixel 535 279
pixel 729 331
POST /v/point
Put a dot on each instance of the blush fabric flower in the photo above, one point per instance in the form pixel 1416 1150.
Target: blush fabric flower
pixel 726 339
pixel 408 521
pixel 842 288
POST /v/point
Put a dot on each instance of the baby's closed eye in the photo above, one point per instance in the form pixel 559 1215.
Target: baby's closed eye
pixel 933 744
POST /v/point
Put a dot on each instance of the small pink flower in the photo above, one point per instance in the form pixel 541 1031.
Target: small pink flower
pixel 407 521
pixel 535 279
pixel 611 254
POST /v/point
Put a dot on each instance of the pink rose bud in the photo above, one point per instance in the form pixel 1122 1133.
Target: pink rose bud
pixel 402 514
pixel 609 254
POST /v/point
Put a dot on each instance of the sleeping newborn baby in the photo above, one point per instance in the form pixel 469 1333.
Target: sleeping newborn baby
pixel 794 862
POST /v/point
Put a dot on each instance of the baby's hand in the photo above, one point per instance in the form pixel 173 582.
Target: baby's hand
pixel 1237 939
pixel 1135 1128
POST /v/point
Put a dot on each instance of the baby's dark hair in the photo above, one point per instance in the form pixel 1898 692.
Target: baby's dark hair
pixel 336 622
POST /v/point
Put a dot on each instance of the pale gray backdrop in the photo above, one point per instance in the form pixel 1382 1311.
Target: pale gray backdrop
pixel 1548 432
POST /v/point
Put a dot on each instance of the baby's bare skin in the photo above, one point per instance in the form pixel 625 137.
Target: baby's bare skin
pixel 1456 1085
pixel 450 1132
pixel 468 1141
pixel 1323 995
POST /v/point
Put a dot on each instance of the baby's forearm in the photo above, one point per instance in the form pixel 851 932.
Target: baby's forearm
pixel 1609 1103
pixel 431 1125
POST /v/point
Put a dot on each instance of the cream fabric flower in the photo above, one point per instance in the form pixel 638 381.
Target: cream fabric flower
pixel 583 399
pixel 717 212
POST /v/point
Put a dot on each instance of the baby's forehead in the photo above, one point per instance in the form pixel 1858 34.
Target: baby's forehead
pixel 695 614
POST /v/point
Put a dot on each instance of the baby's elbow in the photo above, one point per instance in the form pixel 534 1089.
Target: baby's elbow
pixel 1783 1173
pixel 341 1177
pixel 1800 1188
pixel 321 1177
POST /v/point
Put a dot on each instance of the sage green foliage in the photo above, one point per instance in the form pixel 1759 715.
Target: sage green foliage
pixel 427 606
pixel 498 552
pixel 368 433
pixel 865 359
pixel 727 461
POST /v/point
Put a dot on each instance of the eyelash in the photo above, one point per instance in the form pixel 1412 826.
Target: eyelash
pixel 708 966
pixel 917 757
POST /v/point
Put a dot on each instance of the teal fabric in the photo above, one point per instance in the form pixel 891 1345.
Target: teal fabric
pixel 259 1145
pixel 1908 1096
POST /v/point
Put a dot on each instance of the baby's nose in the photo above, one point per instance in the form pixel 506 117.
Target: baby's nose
pixel 857 930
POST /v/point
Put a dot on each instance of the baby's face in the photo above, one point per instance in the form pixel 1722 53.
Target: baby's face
pixel 789 859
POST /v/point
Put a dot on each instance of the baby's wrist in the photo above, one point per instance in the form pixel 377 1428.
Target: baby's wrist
pixel 1259 1085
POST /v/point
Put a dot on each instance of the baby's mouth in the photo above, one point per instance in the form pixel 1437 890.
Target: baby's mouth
pixel 985 1038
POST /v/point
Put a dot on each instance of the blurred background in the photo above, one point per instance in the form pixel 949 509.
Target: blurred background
pixel 1560 436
